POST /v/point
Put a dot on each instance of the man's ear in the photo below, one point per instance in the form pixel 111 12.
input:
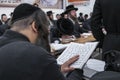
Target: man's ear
pixel 34 27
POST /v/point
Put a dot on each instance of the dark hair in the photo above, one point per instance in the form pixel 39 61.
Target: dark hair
pixel 80 14
pixel 86 15
pixel 41 23
pixel 2 16
pixel 11 14
pixel 57 14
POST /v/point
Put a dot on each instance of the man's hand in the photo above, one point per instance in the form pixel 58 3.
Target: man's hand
pixel 66 66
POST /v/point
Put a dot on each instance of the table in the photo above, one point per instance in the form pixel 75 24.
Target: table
pixel 85 39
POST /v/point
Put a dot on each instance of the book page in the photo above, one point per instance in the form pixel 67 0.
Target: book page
pixel 84 50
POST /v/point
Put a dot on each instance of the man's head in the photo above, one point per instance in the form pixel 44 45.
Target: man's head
pixel 81 14
pixel 58 16
pixel 71 11
pixel 31 21
pixel 50 15
pixel 4 17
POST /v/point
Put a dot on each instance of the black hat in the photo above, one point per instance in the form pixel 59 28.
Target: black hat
pixel 63 13
pixel 65 26
pixel 69 8
pixel 22 11
pixel 49 13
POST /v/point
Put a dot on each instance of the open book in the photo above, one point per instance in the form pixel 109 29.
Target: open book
pixel 84 50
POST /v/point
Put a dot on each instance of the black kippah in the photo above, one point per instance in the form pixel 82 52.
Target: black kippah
pixel 65 26
pixel 22 11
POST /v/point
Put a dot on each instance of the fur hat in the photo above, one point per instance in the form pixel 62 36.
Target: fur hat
pixel 22 11
pixel 65 26
pixel 69 8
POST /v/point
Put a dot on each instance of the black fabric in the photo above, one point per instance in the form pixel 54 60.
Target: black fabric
pixel 22 11
pixel 0 22
pixel 111 42
pixel 69 8
pixel 65 26
pixel 78 30
pixel 21 60
pixel 62 14
pixel 106 75
pixel 106 13
pixel 55 34
pixel 112 60
pixel 86 24
pixel 80 19
pixel 3 28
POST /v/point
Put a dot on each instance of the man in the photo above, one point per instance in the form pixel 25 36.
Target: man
pixel 52 22
pixel 71 11
pixel 106 13
pixel 21 58
pixel 3 19
pixel 58 16
pixel 4 23
pixel 80 18
pixel 86 23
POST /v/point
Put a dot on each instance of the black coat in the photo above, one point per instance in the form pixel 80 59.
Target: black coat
pixel 106 13
pixel 21 60
pixel 3 28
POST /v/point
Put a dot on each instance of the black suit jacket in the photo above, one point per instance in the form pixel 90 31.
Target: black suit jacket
pixel 21 60
pixel 106 13
pixel 0 22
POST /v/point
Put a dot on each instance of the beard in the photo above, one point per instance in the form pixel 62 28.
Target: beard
pixel 74 18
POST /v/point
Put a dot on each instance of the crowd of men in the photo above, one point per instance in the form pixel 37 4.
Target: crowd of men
pixel 25 38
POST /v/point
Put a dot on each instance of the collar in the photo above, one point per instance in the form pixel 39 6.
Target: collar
pixel 72 20
pixel 15 35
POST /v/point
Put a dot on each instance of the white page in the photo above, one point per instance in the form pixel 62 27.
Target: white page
pixel 58 46
pixel 84 50
pixel 95 64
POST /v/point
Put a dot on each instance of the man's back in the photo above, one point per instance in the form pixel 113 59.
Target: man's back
pixel 108 11
pixel 21 60
pixel 106 14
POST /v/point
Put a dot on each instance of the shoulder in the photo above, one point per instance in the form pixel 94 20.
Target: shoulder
pixel 27 48
pixel 31 52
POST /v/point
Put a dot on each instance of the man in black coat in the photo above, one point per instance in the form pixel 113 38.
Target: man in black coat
pixel 21 58
pixel 106 13
pixel 78 29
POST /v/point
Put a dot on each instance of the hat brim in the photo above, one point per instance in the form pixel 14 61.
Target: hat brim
pixel 68 10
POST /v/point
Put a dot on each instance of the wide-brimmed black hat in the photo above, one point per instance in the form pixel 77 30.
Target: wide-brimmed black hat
pixel 49 13
pixel 69 8
pixel 65 26
pixel 22 11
